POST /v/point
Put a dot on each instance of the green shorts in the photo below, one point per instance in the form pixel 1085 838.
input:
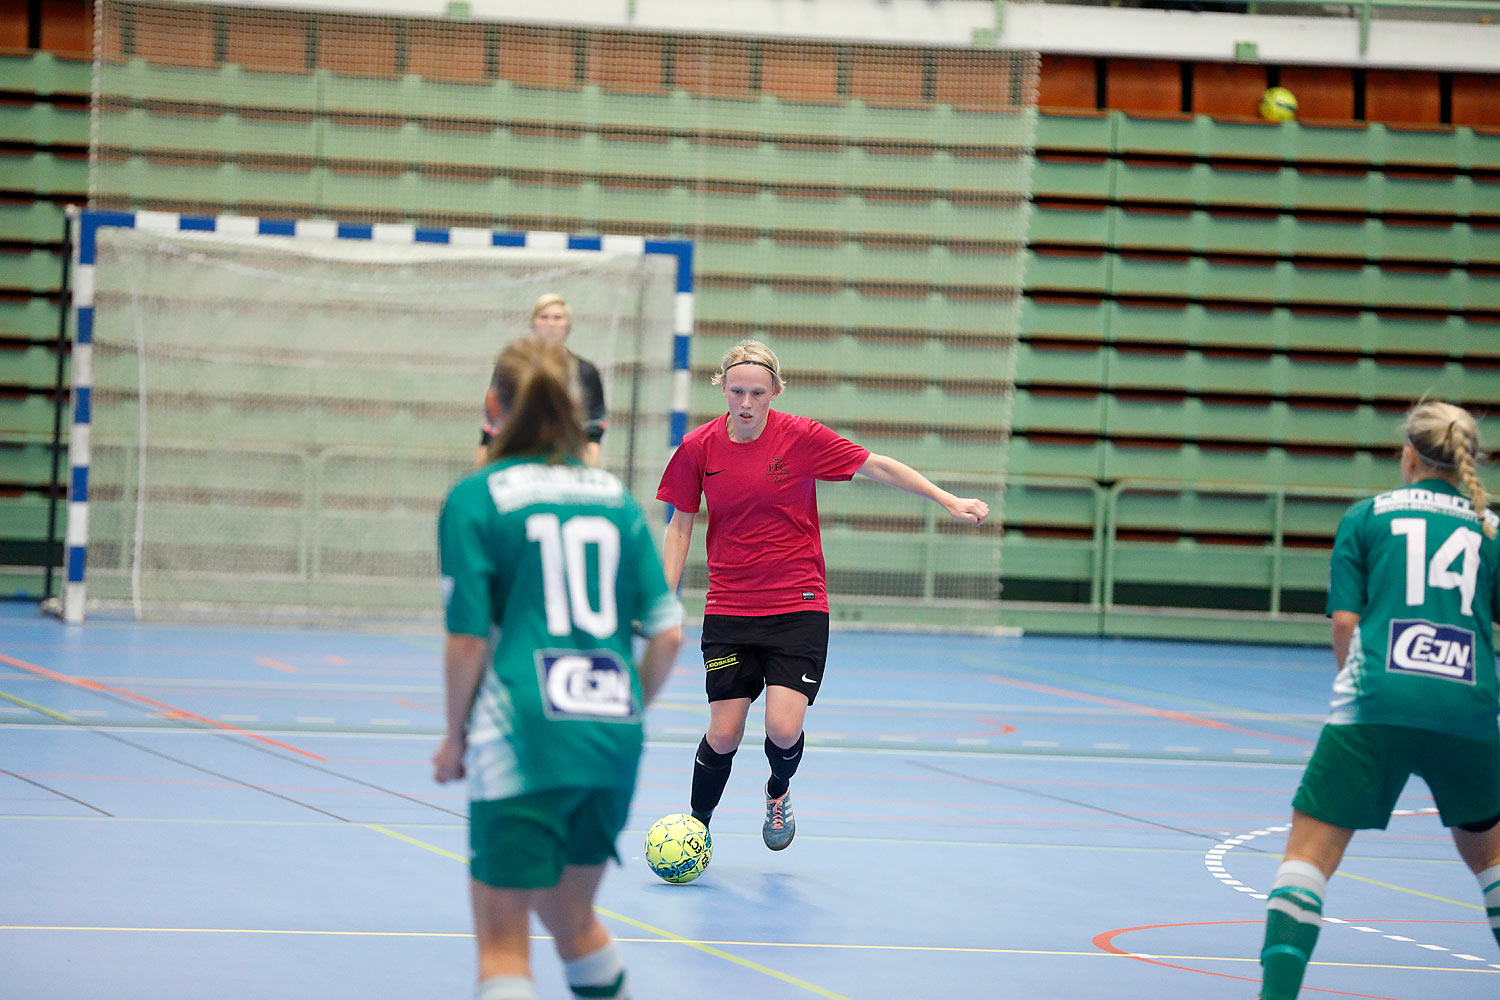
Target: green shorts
pixel 1357 773
pixel 525 842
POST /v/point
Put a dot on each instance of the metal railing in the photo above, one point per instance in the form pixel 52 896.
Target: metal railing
pixel 1277 494
pixel 1364 10
pixel 1104 542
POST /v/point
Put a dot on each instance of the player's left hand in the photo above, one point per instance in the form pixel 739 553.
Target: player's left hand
pixel 969 509
pixel 448 761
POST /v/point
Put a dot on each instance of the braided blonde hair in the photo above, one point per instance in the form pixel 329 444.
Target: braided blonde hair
pixel 1446 439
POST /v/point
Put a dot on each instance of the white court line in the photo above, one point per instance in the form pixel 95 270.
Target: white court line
pixel 1213 862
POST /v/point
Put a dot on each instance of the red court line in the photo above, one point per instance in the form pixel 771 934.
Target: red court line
pixel 1105 942
pixel 168 711
pixel 1192 720
pixel 285 668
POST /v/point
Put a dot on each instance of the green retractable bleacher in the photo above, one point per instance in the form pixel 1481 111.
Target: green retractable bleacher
pixel 1248 304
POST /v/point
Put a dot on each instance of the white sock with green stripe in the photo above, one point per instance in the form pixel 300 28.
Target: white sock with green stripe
pixel 1489 884
pixel 1293 917
pixel 601 974
pixel 506 988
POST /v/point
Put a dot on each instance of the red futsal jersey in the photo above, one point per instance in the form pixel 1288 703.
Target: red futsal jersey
pixel 765 553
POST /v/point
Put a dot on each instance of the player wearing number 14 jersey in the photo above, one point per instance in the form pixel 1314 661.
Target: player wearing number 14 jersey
pixel 553 559
pixel 1412 594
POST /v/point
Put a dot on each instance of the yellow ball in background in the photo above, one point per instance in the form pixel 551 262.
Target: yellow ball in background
pixel 1278 105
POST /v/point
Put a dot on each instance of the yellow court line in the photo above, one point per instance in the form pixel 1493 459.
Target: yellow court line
pixel 416 843
pixel 243 930
pixel 1400 968
pixel 708 949
pixel 459 822
pixel 1413 892
pixel 1148 956
pixel 666 937
pixel 59 716
pixel 649 928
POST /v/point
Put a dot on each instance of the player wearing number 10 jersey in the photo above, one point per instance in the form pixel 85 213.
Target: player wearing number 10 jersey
pixel 1412 593
pixel 556 556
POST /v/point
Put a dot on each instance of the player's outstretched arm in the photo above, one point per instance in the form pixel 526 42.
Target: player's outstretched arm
pixel 463 666
pixel 657 659
pixel 889 471
pixel 674 547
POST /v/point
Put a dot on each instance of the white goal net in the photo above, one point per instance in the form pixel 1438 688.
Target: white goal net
pixel 276 419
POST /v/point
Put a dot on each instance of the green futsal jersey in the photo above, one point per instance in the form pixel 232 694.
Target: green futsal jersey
pixel 1416 567
pixel 559 558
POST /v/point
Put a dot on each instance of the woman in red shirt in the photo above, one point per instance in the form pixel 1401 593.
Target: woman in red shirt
pixel 765 622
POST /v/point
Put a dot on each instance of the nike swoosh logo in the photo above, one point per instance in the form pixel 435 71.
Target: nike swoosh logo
pixel 808 680
pixel 713 473
pixel 792 757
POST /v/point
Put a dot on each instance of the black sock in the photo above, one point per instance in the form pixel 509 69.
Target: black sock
pixel 783 765
pixel 710 775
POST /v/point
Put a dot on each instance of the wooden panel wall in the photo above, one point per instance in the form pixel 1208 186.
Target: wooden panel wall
pixel 715 69
pixel 267 43
pixel 628 64
pixel 1068 82
pixel 811 72
pixel 67 25
pixel 800 72
pixel 1227 89
pixel 1476 99
pixel 15 26
pixel 1153 85
pixel 1323 93
pixel 1402 97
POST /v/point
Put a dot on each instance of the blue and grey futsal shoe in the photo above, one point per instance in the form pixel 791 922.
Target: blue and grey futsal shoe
pixel 780 825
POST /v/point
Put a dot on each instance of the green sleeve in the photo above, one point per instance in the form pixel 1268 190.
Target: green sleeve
pixel 467 567
pixel 657 608
pixel 1346 574
pixel 1495 602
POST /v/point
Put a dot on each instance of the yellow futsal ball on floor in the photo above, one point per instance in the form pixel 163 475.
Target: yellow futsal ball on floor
pixel 678 847
pixel 1278 105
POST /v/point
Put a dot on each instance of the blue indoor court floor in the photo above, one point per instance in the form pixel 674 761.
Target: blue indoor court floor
pixel 249 813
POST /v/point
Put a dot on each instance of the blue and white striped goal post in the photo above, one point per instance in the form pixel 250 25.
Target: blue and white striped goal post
pixel 87 223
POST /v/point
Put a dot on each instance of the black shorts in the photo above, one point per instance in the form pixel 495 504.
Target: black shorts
pixel 742 655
